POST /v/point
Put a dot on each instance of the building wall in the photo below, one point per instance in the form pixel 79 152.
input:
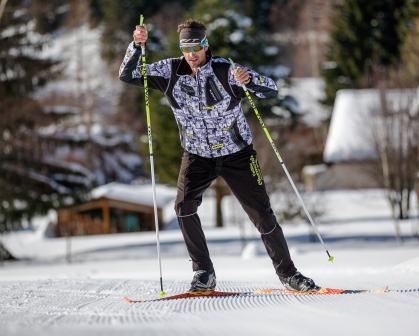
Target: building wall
pixel 344 176
pixel 105 216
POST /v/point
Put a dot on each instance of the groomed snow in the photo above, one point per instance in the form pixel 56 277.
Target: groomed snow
pixel 48 296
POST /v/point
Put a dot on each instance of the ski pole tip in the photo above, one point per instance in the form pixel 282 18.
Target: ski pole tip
pixel 331 258
pixel 162 293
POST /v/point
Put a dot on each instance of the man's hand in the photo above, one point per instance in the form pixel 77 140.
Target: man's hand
pixel 140 34
pixel 241 75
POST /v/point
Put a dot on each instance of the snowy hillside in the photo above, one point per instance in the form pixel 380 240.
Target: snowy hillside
pixel 85 72
pixel 87 91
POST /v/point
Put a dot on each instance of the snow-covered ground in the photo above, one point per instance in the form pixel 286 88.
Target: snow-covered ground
pixel 48 296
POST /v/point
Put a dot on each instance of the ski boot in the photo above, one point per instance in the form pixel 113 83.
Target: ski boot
pixel 203 281
pixel 299 282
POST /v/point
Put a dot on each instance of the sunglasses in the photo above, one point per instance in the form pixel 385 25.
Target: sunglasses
pixel 188 48
pixel 195 48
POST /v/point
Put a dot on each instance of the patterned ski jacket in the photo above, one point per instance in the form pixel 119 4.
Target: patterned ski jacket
pixel 206 106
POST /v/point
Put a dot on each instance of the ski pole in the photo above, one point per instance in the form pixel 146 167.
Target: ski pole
pixel 269 137
pixel 150 148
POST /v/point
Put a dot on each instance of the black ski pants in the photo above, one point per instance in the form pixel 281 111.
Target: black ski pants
pixel 242 173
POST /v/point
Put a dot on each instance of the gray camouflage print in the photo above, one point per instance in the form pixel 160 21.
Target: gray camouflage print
pixel 209 124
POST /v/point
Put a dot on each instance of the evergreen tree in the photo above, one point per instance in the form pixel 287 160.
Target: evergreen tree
pixel 30 182
pixel 367 35
pixel 258 11
pixel 120 18
pixel 232 34
pixel 235 35
pixel 49 16
pixel 168 151
pixel 236 30
pixel 115 39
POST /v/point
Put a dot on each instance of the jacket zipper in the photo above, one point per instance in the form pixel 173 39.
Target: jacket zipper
pixel 201 110
pixel 199 90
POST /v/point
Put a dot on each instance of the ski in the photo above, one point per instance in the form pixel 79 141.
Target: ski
pixel 188 295
pixel 258 292
pixel 320 291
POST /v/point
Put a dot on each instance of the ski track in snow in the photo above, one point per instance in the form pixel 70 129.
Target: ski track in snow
pixel 46 296
pixel 96 306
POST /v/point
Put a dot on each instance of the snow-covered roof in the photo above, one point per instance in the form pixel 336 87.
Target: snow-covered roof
pixel 136 193
pixel 350 134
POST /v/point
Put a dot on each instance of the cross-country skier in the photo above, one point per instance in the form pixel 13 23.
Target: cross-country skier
pixel 205 95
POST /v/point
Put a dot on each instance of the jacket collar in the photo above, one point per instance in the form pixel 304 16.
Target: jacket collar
pixel 185 69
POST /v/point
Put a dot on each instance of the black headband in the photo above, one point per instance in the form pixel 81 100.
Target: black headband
pixel 191 35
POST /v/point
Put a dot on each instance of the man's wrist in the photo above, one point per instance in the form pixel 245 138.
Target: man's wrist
pixel 137 44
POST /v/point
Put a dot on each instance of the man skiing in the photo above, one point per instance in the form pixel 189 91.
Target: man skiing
pixel 205 95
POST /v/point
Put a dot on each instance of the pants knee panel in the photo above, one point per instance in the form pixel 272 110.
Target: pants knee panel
pixel 186 208
pixel 265 224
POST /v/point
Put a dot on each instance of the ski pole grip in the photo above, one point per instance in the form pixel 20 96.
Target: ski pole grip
pixel 141 24
pixel 234 67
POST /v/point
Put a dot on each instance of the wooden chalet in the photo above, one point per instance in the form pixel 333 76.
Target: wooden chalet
pixel 117 208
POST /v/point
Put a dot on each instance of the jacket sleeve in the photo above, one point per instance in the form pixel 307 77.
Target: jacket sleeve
pixel 261 86
pixel 158 73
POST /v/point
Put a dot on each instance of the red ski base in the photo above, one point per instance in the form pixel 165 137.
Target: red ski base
pixel 264 291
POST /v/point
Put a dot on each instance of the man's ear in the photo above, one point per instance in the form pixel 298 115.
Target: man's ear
pixel 206 48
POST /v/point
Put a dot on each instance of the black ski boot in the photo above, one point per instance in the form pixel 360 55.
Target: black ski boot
pixel 299 282
pixel 203 281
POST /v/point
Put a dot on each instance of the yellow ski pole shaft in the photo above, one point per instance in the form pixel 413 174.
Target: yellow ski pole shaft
pixel 150 148
pixel 269 137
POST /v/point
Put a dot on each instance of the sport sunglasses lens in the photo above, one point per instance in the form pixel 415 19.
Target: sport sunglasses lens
pixel 195 48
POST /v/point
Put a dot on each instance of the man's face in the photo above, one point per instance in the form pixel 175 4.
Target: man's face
pixel 196 59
